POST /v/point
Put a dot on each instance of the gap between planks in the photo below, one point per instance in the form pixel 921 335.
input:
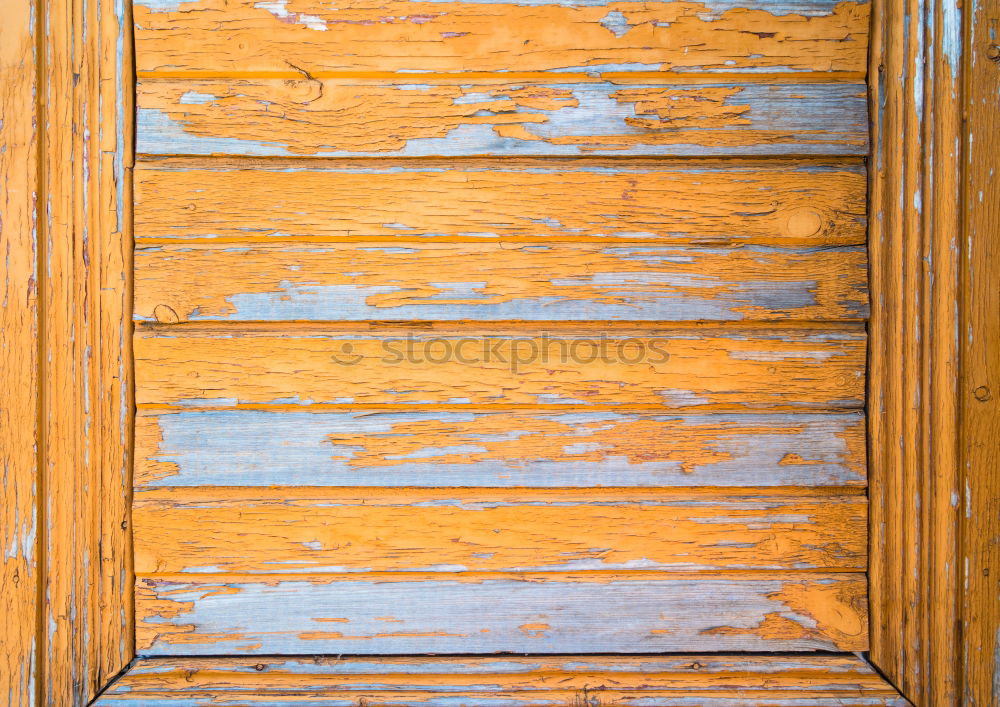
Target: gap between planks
pixel 624 77
pixel 488 493
pixel 610 576
pixel 497 328
pixel 486 407
pixel 304 162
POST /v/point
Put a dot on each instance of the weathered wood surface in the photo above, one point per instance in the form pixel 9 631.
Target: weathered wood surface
pixel 790 204
pixel 783 368
pixel 980 383
pixel 712 681
pixel 251 531
pixel 293 37
pixel 497 281
pixel 322 326
pixel 498 116
pixel 917 242
pixel 414 613
pixel 19 429
pixel 187 448
pixel 80 108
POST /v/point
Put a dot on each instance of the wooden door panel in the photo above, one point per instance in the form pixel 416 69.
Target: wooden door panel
pixel 471 327
pixel 523 448
pixel 679 369
pixel 307 36
pixel 719 203
pixel 414 613
pixel 412 118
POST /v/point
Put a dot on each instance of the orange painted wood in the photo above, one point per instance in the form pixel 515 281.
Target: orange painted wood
pixel 64 418
pixel 413 612
pixel 85 634
pixel 408 280
pixel 296 37
pixel 64 425
pixel 980 382
pixel 540 448
pixel 774 203
pixel 245 531
pixel 920 201
pixel 669 369
pixel 19 424
pixel 714 681
pixel 498 116
pixel 326 326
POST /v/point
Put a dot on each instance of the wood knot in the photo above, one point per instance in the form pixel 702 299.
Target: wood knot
pixel 259 667
pixel 803 222
pixel 993 53
pixel 165 314
pixel 982 393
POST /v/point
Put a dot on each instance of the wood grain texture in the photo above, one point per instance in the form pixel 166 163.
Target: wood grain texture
pixel 291 37
pixel 249 531
pixel 712 681
pixel 414 613
pixel 19 433
pixel 679 369
pixel 498 116
pixel 408 280
pixel 980 383
pixel 916 239
pixel 787 204
pixel 327 323
pixel 85 634
pixel 189 448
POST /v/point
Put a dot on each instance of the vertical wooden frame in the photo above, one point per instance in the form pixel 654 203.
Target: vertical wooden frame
pixel 66 422
pixel 913 408
pixel 934 440
pixel 979 386
pixel 65 416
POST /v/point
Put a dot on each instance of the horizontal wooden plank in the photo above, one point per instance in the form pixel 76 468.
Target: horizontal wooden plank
pixel 710 680
pixel 297 36
pixel 248 531
pixel 496 449
pixel 497 281
pixel 709 203
pixel 684 368
pixel 412 613
pixel 356 117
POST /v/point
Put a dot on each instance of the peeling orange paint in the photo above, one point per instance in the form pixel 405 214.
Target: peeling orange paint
pixel 205 281
pixel 480 531
pixel 356 36
pixel 279 287
pixel 684 108
pixel 534 629
pixel 680 369
pixel 337 117
pixel 525 200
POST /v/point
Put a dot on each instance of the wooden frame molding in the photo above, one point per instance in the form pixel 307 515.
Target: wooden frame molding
pixel 914 348
pixel 933 349
pixel 66 415
pixel 65 368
